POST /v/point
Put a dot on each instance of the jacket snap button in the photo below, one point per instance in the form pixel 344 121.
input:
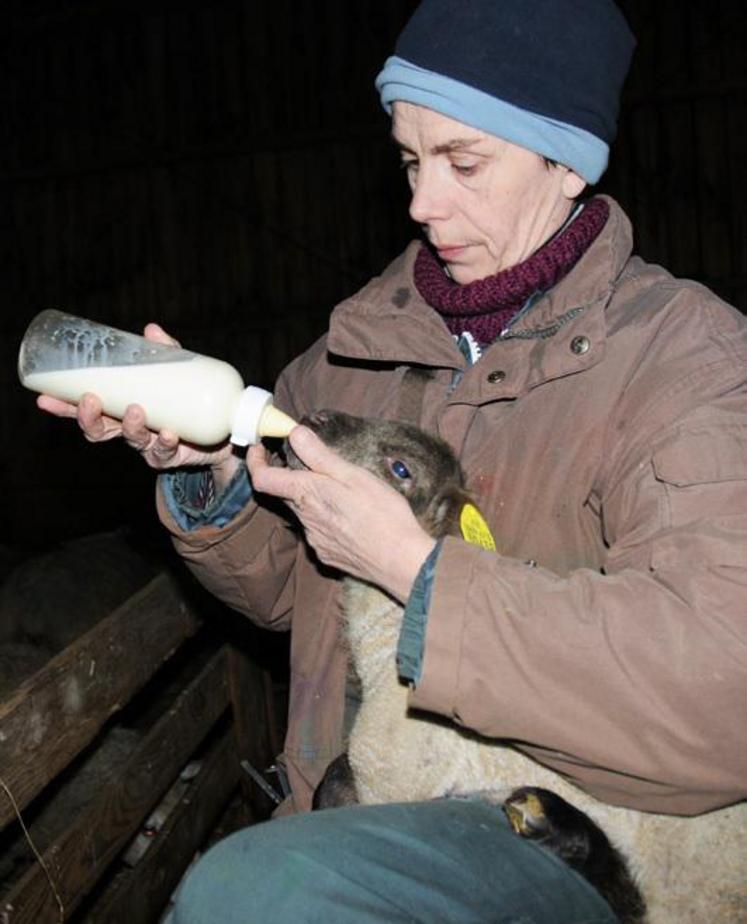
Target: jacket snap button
pixel 580 345
pixel 497 375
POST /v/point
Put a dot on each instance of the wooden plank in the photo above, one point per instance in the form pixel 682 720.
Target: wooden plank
pixel 56 713
pixel 138 895
pixel 78 858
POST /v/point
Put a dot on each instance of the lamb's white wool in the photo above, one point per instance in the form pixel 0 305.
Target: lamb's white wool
pixel 690 870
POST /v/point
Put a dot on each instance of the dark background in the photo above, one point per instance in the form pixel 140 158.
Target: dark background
pixel 223 167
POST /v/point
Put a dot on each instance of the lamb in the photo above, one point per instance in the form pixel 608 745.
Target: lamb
pixel 690 869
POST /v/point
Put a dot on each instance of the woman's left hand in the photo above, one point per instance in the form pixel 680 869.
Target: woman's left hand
pixel 353 520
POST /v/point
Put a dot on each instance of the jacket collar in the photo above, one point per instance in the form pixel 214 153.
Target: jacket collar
pixel 589 283
pixel 388 321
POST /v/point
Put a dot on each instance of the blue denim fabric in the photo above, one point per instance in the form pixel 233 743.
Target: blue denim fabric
pixel 429 863
pixel 183 487
pixel 412 634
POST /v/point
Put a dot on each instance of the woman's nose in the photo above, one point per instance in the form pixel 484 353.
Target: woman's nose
pixel 428 201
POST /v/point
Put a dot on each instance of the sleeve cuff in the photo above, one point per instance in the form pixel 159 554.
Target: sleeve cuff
pixel 192 502
pixel 410 648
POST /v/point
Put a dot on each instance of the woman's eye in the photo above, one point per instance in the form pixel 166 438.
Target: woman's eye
pixel 465 169
pixel 400 469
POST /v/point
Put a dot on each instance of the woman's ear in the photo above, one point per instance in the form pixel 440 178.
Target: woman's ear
pixel 572 185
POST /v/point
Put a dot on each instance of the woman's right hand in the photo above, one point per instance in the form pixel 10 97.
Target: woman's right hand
pixel 160 450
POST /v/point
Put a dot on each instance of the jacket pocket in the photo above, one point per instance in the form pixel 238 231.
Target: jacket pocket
pixel 703 458
pixel 703 479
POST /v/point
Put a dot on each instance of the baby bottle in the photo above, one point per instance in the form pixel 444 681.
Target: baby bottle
pixel 201 399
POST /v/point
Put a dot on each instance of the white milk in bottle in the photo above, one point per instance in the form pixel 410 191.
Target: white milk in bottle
pixel 201 399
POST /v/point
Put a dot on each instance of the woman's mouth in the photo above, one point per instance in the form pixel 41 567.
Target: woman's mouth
pixel 451 252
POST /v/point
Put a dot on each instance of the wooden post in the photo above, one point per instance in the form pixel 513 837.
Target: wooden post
pixel 250 695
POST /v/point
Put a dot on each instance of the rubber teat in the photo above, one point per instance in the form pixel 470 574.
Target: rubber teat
pixel 274 422
pixel 255 417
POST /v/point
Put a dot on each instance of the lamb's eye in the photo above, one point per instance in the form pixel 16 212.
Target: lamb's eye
pixel 400 469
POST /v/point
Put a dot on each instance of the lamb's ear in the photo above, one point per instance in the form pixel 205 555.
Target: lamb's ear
pixel 441 516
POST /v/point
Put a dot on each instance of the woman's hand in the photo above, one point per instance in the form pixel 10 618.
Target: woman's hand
pixel 160 450
pixel 353 520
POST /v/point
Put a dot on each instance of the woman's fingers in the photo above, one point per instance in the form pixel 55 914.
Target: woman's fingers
pixel 293 485
pixel 134 431
pixel 156 333
pixel 160 450
pixel 96 426
pixel 354 521
pixel 56 406
pixel 317 456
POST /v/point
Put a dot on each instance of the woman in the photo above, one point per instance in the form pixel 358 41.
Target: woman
pixel 598 408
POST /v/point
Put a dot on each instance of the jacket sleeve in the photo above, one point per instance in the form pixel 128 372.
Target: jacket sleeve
pixel 247 560
pixel 248 564
pixel 632 681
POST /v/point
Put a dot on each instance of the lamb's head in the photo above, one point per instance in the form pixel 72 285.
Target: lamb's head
pixel 419 465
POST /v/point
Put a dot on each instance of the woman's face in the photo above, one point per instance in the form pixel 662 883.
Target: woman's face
pixel 485 204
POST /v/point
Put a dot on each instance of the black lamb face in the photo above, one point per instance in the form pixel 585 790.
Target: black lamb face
pixel 420 466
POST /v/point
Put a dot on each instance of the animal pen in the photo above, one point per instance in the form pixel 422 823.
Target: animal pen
pixel 202 712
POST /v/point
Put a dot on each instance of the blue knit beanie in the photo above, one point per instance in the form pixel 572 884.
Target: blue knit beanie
pixel 543 74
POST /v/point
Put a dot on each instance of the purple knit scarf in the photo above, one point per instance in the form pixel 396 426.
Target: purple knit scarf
pixel 486 306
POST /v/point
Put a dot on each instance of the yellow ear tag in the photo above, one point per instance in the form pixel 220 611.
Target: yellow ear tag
pixel 475 529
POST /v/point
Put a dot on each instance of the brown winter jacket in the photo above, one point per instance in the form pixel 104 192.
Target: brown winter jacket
pixel 606 440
